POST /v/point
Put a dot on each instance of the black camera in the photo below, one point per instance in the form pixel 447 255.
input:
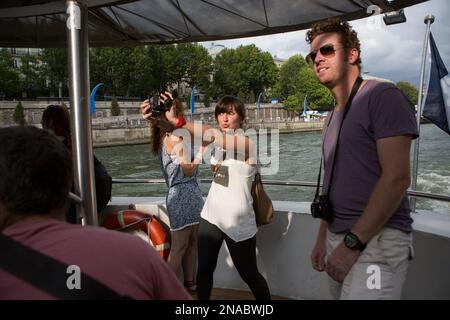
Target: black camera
pixel 321 208
pixel 159 107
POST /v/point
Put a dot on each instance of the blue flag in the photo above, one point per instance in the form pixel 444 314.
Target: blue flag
pixel 437 102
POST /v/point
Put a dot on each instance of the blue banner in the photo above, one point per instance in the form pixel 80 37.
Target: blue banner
pixel 192 100
pixel 93 93
pixel 437 102
pixel 259 101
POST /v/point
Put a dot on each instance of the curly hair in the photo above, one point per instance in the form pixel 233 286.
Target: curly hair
pixel 348 36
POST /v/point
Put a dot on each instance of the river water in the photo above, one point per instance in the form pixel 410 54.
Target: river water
pixel 299 161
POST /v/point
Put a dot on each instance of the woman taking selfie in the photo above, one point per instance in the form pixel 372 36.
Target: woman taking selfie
pixel 228 213
pixel 183 201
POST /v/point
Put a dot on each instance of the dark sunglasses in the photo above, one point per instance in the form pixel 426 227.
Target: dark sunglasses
pixel 326 51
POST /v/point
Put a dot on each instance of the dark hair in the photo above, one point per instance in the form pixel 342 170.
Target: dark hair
pixel 348 36
pixel 158 134
pixel 226 104
pixel 35 170
pixel 57 118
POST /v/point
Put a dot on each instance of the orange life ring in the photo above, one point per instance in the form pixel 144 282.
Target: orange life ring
pixel 139 220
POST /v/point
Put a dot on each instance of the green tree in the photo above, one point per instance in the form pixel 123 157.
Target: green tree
pixel 194 64
pixel 242 96
pixel 409 90
pixel 207 98
pixel 159 63
pixel 9 78
pixel 242 70
pixel 133 67
pixel 55 70
pixel 115 109
pixel 293 103
pixel 32 81
pixel 288 82
pixel 19 114
pixel 105 65
pixel 251 97
pixel 319 97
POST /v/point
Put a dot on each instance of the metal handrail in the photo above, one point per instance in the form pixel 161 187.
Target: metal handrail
pixel 412 193
pixel 74 198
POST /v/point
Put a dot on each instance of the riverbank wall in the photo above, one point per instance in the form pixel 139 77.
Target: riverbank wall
pixel 130 128
pixel 106 137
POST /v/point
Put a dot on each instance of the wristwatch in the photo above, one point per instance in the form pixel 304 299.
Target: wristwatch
pixel 352 242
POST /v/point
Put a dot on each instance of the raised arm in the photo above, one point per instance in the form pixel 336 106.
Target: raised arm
pixel 198 131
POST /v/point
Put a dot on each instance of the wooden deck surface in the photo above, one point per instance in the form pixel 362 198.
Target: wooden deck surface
pixel 231 294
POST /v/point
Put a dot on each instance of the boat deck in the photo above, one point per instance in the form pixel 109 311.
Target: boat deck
pixel 232 294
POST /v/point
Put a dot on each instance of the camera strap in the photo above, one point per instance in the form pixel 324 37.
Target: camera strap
pixel 355 89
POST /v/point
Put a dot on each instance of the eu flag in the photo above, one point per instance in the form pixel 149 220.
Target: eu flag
pixel 437 103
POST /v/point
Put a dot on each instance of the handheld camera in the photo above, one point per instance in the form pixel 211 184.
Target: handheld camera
pixel 159 107
pixel 321 208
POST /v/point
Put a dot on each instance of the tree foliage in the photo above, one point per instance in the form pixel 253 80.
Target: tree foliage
pixel 9 79
pixel 297 80
pixel 19 114
pixel 32 80
pixel 143 71
pixel 194 64
pixel 140 72
pixel 288 83
pixel 115 109
pixel 409 90
pixel 54 70
pixel 243 70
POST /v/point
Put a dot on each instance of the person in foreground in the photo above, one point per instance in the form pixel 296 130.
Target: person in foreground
pixel 44 257
pixel 228 214
pixel 364 246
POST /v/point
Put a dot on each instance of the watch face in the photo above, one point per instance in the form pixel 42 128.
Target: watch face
pixel 351 241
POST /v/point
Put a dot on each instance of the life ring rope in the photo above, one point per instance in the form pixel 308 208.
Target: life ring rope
pixel 144 222
pixel 126 226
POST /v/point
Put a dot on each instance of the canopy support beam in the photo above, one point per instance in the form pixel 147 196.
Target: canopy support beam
pixel 78 64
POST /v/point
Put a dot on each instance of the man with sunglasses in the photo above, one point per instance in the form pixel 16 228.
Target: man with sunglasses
pixel 365 243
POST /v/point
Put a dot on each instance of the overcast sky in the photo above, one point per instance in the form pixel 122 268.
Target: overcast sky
pixel 393 52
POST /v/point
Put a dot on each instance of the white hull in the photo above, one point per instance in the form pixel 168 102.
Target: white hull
pixel 285 245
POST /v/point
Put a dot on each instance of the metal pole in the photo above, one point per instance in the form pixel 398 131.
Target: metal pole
pixel 429 19
pixel 78 58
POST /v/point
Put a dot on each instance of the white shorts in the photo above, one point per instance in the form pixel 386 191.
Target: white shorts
pixel 379 272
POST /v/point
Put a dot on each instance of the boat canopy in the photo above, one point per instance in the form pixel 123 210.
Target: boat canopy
pixel 114 23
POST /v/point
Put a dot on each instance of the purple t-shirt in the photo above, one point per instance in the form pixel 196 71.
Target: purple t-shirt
pixel 378 111
pixel 122 262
